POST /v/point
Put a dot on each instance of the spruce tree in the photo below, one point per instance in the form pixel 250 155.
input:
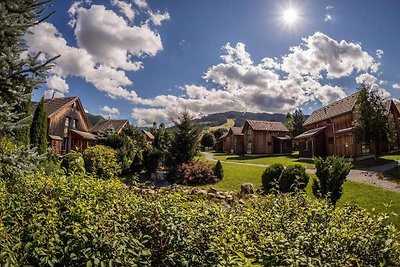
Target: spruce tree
pixel 38 133
pixel 219 170
pixel 185 145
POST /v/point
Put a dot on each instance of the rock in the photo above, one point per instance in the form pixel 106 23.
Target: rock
pixel 247 188
pixel 211 194
pixel 253 196
pixel 212 190
pixel 220 196
pixel 225 204
pixel 241 201
pixel 202 192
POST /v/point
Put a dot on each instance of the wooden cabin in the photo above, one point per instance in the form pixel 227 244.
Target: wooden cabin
pixel 234 141
pixel 329 131
pixel 68 125
pixel 219 144
pixel 266 137
pixel 109 125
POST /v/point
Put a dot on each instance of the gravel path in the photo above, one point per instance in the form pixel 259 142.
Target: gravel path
pixel 366 176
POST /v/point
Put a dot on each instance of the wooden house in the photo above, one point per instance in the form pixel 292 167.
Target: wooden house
pixel 68 125
pixel 114 126
pixel 329 131
pixel 219 144
pixel 266 137
pixel 234 141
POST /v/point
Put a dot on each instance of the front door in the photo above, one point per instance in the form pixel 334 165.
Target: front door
pixel 248 148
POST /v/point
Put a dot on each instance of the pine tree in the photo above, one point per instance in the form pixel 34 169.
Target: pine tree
pixel 371 121
pixel 185 145
pixel 219 170
pixel 38 132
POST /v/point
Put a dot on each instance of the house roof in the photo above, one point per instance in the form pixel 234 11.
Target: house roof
pixel 332 110
pixel 310 133
pixel 286 137
pixel 272 126
pixel 53 105
pixel 224 135
pixel 85 135
pixel 55 137
pixel 115 125
pixel 236 130
pixel 148 134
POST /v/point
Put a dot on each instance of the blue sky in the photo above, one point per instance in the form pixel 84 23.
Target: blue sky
pixel 150 60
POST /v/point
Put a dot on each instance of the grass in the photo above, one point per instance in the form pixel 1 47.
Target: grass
pixel 369 197
pixel 392 174
pixel 265 160
pixel 228 124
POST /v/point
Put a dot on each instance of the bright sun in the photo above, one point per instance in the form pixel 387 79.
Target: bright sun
pixel 290 16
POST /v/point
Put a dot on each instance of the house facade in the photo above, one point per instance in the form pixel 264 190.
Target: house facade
pixel 233 142
pixel 68 125
pixel 266 137
pixel 330 131
pixel 114 126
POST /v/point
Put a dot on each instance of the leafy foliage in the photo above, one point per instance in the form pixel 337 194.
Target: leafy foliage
pixel 151 159
pixel 73 163
pixel 76 221
pixel 293 178
pixel 137 163
pixel 185 145
pixel 162 141
pixel 271 176
pixel 331 172
pixel 207 140
pixel 38 132
pixel 101 162
pixel 294 122
pixel 219 170
pixel 195 173
pixel 371 120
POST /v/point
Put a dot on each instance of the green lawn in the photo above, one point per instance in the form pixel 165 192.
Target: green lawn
pixel 369 197
pixel 392 174
pixel 265 160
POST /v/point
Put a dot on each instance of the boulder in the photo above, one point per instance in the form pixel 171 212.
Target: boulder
pixel 212 190
pixel 247 188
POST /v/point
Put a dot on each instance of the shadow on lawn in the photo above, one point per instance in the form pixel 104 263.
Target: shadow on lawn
pixel 293 157
pixel 366 163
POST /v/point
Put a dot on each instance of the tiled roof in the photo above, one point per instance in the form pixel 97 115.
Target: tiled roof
pixel 332 110
pixel 148 134
pixel 115 125
pixel 273 126
pixel 53 105
pixel 236 130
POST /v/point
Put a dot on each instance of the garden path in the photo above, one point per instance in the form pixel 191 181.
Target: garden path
pixel 366 176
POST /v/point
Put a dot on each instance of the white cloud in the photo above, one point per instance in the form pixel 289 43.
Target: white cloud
pixel 126 8
pixel 396 85
pixel 329 7
pixel 141 3
pixel 56 85
pixel 366 78
pixel 328 17
pixel 379 53
pixel 108 110
pixel 157 18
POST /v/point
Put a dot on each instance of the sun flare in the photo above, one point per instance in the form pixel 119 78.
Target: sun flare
pixel 290 16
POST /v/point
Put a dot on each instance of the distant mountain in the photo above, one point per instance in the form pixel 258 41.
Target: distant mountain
pixel 239 117
pixel 93 119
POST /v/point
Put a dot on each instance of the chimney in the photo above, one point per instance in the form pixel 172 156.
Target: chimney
pixel 54 93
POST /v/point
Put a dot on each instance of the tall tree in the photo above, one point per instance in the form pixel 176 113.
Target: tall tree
pixel 208 139
pixel 294 122
pixel 38 132
pixel 162 140
pixel 371 120
pixel 185 144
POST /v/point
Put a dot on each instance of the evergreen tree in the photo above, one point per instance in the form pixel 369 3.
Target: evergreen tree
pixel 162 141
pixel 38 132
pixel 219 170
pixel 185 145
pixel 371 123
pixel 208 140
pixel 294 122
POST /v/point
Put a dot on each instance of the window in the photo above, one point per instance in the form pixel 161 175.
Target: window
pixel 306 146
pixel 365 149
pixel 248 134
pixel 66 122
pixel 74 124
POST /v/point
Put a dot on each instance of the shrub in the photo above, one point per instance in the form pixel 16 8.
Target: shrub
pixel 75 221
pixel 293 178
pixel 331 174
pixel 137 163
pixel 101 161
pixel 219 170
pixel 73 163
pixel 271 177
pixel 151 159
pixel 208 140
pixel 195 173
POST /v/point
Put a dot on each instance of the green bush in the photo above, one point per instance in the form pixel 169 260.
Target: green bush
pixel 151 159
pixel 195 173
pixel 101 161
pixel 331 174
pixel 219 170
pixel 137 163
pixel 293 178
pixel 73 163
pixel 75 221
pixel 271 177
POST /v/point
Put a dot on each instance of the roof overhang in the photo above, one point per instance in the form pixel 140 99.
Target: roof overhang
pixel 310 133
pixel 55 137
pixel 345 130
pixel 283 138
pixel 84 135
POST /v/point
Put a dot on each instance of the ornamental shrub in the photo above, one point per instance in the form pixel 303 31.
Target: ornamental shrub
pixel 56 220
pixel 293 178
pixel 195 173
pixel 219 170
pixel 151 159
pixel 331 174
pixel 137 163
pixel 101 162
pixel 73 163
pixel 271 177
